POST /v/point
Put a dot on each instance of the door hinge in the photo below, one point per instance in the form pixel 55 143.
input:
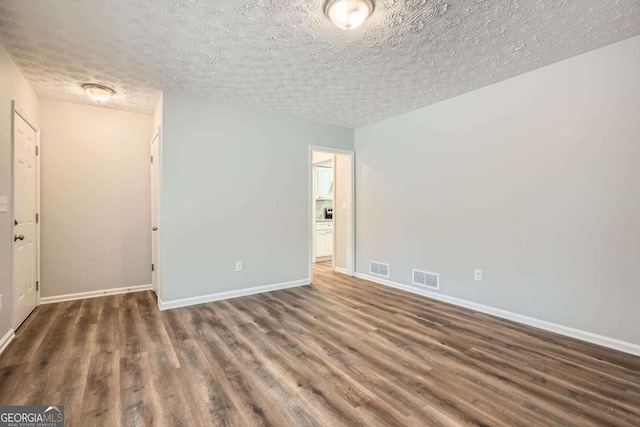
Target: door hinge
pixel 153 267
pixel 37 218
pixel 151 159
pixel 37 150
pixel 37 286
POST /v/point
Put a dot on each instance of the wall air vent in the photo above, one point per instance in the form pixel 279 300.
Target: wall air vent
pixel 379 269
pixel 426 279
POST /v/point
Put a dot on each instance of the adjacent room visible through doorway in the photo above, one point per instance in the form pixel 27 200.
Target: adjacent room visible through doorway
pixel 332 216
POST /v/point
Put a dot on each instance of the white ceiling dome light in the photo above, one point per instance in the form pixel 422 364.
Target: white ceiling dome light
pixel 97 92
pixel 348 14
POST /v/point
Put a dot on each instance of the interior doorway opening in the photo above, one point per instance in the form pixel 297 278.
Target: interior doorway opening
pixel 332 191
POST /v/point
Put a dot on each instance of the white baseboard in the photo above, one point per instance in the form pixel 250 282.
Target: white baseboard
pixel 94 294
pixel 6 339
pixel 613 343
pixel 166 305
pixel 340 270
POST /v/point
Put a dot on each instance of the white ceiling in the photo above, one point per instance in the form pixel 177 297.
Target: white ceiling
pixel 284 56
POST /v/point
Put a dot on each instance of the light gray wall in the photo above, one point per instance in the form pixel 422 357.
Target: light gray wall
pixel 95 198
pixel 235 187
pixel 535 180
pixel 13 86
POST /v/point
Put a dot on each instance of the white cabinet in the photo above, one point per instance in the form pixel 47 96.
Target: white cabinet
pixel 324 243
pixel 324 239
pixel 324 182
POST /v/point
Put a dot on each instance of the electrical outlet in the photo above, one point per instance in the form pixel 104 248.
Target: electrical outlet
pixel 238 265
pixel 477 275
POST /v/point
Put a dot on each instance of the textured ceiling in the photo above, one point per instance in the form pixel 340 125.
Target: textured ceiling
pixel 284 56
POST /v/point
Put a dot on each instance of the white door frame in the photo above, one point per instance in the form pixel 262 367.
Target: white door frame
pixel 16 109
pixel 333 216
pixel 158 162
pixel 351 235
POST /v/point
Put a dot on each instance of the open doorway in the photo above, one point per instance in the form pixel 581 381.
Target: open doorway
pixel 332 209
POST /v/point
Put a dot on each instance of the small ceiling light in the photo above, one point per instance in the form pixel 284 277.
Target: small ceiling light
pixel 348 14
pixel 97 92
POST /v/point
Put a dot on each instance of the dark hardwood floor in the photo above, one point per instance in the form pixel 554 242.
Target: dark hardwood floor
pixel 341 352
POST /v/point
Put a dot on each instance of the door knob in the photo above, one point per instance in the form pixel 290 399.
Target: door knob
pixel 19 237
pixel 154 229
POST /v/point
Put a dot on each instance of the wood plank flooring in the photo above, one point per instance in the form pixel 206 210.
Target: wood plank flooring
pixel 343 351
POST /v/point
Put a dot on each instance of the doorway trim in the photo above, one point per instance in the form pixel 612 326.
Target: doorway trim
pixel 16 109
pixel 351 221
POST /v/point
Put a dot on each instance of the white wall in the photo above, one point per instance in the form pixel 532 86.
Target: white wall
pixel 534 179
pixel 156 119
pixel 13 86
pixel 342 195
pixel 320 157
pixel 95 198
pixel 235 187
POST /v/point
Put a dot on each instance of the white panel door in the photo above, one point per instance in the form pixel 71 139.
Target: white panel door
pixel 155 160
pixel 24 230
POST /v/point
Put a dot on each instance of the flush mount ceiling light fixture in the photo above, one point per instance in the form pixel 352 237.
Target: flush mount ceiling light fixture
pixel 348 14
pixel 97 92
